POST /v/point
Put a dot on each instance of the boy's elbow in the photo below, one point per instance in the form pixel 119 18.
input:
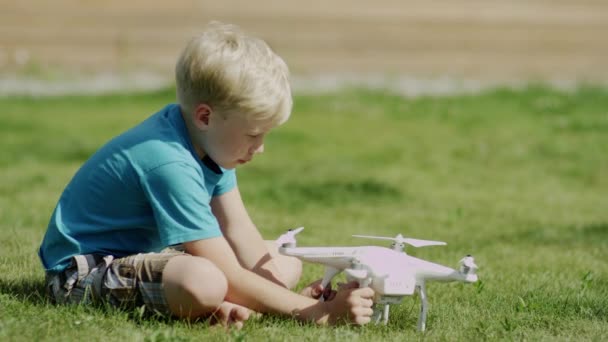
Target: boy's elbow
pixel 217 251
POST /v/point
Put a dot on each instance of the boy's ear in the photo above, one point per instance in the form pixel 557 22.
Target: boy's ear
pixel 201 115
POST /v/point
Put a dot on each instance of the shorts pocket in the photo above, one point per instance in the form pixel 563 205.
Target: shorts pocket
pixel 120 284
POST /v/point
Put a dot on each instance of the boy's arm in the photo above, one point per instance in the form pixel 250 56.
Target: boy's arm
pixel 251 290
pixel 243 236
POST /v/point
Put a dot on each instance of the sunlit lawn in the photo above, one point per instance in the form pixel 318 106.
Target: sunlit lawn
pixel 518 178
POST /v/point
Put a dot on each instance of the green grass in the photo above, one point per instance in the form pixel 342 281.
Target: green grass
pixel 519 178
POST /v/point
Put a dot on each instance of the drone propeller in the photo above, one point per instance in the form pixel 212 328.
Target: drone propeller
pixel 289 237
pixel 400 239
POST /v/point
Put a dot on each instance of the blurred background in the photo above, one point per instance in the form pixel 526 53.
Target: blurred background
pixel 414 46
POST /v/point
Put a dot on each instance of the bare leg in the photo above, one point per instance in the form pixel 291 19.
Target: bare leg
pixel 193 286
pixel 290 268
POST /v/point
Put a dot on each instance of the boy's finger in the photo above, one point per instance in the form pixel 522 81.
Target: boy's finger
pixel 327 293
pixel 315 293
pixel 364 292
pixel 313 290
pixel 367 303
pixel 318 291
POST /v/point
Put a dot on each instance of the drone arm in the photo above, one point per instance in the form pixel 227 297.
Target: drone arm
pixel 435 272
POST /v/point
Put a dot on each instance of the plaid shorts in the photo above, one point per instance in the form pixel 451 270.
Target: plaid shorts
pixel 129 282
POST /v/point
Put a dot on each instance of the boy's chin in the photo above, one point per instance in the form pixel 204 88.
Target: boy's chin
pixel 230 165
pixel 234 164
pixel 242 162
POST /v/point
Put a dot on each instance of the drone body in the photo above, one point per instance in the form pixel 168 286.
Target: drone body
pixel 390 272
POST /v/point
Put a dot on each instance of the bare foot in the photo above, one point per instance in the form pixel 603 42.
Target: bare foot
pixel 230 315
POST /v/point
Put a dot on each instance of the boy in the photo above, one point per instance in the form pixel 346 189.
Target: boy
pixel 115 233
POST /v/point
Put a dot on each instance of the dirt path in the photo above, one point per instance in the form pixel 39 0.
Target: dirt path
pixel 487 40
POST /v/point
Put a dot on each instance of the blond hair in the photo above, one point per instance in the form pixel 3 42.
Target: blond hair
pixel 233 72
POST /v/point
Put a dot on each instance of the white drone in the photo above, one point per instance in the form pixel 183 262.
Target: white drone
pixel 391 273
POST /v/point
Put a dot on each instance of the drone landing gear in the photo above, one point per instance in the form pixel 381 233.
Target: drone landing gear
pixel 423 307
pixel 386 301
pixel 381 314
pixel 385 314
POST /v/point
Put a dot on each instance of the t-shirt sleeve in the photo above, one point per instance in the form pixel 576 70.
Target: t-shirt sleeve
pixel 227 183
pixel 181 203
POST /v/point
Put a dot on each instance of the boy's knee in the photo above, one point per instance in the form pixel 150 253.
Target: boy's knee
pixel 205 281
pixel 193 286
pixel 291 268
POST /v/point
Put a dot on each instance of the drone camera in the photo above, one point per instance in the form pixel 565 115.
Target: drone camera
pixel 398 246
pixel 356 264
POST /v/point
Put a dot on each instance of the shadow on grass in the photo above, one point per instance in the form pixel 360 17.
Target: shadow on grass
pixel 25 290
pixel 33 292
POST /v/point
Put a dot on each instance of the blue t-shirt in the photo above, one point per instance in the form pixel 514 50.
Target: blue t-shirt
pixel 141 192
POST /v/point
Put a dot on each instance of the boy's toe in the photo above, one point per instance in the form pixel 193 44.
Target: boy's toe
pixel 240 313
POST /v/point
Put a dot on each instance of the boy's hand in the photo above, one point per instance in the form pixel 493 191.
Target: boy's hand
pixel 315 290
pixel 351 304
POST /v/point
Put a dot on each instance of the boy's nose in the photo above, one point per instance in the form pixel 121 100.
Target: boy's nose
pixel 257 149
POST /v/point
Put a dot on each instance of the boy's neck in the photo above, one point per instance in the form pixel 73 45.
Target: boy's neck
pixel 189 127
pixel 199 151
